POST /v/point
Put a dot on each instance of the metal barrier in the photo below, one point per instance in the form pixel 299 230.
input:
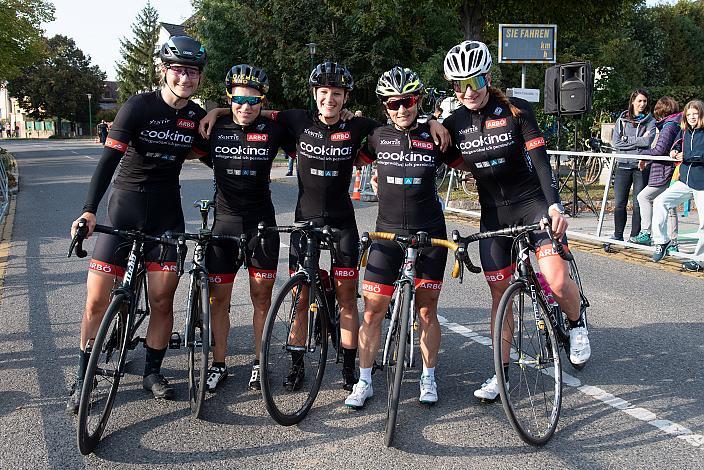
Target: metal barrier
pixel 4 186
pixel 597 235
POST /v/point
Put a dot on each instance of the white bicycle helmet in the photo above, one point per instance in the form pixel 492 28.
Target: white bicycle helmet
pixel 466 60
pixel 398 81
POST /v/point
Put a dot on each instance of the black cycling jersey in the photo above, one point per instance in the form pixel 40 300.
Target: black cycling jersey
pixel 406 164
pixel 155 139
pixel 325 155
pixel 506 154
pixel 242 158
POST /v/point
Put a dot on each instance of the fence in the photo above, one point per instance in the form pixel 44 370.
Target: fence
pixel 5 164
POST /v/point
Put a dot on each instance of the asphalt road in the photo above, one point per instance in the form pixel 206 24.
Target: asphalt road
pixel 638 404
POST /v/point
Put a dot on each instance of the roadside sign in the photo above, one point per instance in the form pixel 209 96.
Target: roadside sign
pixel 527 43
pixel 529 94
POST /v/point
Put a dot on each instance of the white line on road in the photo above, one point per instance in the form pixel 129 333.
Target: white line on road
pixel 673 429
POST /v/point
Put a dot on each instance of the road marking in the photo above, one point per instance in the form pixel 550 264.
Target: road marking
pixel 668 427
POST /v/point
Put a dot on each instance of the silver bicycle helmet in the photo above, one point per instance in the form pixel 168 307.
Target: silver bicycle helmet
pixel 398 81
pixel 467 59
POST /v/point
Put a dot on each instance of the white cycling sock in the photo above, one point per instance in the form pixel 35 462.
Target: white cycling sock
pixel 365 373
pixel 429 372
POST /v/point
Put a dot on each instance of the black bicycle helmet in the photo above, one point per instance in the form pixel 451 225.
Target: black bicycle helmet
pixel 183 50
pixel 246 75
pixel 331 74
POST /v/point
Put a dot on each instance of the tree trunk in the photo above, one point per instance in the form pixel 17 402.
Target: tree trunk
pixel 472 17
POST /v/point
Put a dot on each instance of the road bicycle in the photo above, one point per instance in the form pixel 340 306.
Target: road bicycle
pixel 529 327
pixel 590 168
pixel 117 334
pixel 197 332
pixel 302 316
pixel 398 353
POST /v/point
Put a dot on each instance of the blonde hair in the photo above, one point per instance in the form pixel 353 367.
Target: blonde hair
pixel 501 98
pixel 699 106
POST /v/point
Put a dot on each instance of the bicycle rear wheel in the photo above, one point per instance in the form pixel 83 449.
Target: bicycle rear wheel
pixel 396 361
pixel 198 342
pixel 531 395
pixel 290 373
pixel 105 368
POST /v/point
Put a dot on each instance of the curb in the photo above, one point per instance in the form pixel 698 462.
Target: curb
pixel 5 242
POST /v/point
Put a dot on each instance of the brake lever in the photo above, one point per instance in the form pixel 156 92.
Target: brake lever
pixel 181 251
pixel 77 240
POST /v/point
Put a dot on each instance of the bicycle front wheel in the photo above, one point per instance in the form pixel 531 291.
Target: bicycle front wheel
pixel 531 394
pixel 291 366
pixel 105 368
pixel 396 361
pixel 198 342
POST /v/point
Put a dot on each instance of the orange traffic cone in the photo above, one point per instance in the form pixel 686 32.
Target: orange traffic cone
pixel 357 186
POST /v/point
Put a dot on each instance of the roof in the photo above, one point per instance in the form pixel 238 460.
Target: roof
pixel 174 29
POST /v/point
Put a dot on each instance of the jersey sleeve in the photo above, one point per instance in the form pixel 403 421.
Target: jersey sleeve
pixel 535 146
pixel 201 146
pixel 367 152
pixel 289 117
pixel 125 125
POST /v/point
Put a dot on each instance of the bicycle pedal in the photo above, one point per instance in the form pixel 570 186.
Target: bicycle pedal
pixel 175 340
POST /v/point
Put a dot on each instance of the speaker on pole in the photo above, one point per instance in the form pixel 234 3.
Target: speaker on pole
pixel 568 89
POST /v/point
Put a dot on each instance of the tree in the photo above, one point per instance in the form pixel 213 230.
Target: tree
pixel 58 85
pixel 138 71
pixel 21 41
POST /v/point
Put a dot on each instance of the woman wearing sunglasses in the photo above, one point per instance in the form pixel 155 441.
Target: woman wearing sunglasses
pixel 503 147
pixel 407 159
pixel 152 135
pixel 242 147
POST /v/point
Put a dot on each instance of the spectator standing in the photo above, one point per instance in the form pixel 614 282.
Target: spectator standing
pixel 17 130
pixel 634 131
pixel 8 130
pixel 103 131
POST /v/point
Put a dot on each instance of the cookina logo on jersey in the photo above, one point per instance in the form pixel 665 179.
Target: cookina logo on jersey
pixel 174 136
pixel 337 136
pixel 321 150
pixel 495 123
pixel 486 140
pixel 186 124
pixel 421 144
pixel 405 157
pixel 257 137
pixel 223 151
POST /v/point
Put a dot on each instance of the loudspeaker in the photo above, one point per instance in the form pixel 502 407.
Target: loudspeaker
pixel 568 89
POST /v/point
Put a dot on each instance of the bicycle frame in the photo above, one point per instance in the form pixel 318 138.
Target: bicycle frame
pixel 408 274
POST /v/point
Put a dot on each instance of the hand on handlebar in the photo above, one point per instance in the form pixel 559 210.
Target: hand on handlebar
pixel 90 221
pixel 559 223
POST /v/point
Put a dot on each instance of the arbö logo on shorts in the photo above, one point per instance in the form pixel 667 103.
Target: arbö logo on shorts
pixel 495 277
pixel 264 275
pixel 486 140
pixel 257 137
pixel 174 136
pixel 375 288
pixel 186 124
pixel 326 151
pixel 215 279
pixel 103 268
pixel 345 273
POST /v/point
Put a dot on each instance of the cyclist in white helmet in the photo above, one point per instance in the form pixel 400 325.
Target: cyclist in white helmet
pixel 504 149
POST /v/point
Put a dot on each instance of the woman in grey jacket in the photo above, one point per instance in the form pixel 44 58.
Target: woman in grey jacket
pixel 634 131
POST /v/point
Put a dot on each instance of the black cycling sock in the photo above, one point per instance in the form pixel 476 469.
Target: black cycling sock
pixel 506 372
pixel 348 358
pixel 152 363
pixel 219 364
pixel 82 364
pixel 297 357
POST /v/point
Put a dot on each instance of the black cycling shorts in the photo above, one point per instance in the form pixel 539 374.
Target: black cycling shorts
pixel 151 212
pixel 347 249
pixel 386 257
pixel 495 253
pixel 221 257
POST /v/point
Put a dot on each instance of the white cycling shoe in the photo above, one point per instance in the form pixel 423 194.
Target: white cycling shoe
pixel 360 392
pixel 489 391
pixel 580 349
pixel 428 391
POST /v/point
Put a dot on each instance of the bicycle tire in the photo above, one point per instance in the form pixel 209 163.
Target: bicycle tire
pixel 198 342
pixel 469 184
pixel 590 169
pixel 289 405
pixel 101 382
pixel 534 355
pixel 396 363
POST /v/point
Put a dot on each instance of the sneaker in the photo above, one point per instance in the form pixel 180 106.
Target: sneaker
pixel 580 350
pixel 159 386
pixel 428 391
pixel 216 375
pixel 673 248
pixel 74 397
pixel 660 251
pixel 643 238
pixel 254 380
pixel 295 377
pixel 349 378
pixel 489 391
pixel 360 392
pixel 692 266
pixel 289 173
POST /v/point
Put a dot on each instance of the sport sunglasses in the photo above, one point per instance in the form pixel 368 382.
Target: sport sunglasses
pixel 407 102
pixel 475 83
pixel 250 100
pixel 188 71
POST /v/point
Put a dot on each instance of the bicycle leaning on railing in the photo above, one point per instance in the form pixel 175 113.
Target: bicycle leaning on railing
pixel 117 334
pixel 302 316
pixel 398 351
pixel 530 327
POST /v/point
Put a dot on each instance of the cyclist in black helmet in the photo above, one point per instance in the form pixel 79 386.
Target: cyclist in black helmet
pixel 242 148
pixel 326 151
pixel 152 135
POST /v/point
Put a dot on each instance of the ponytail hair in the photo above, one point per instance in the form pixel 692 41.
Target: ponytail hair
pixel 501 98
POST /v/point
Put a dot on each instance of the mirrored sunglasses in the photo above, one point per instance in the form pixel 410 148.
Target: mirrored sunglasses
pixel 407 102
pixel 475 83
pixel 250 100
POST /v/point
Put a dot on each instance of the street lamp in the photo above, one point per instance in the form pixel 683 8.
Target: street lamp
pixel 90 116
pixel 311 50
